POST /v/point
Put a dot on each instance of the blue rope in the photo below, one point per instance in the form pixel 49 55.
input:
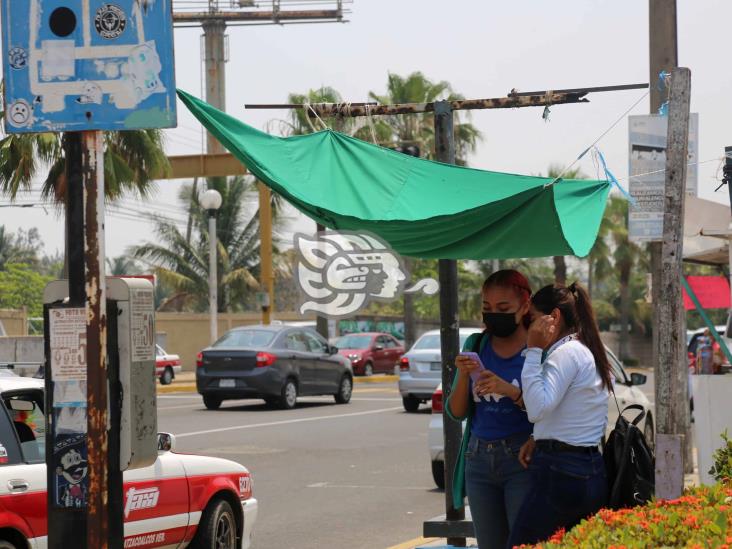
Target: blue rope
pixel 610 177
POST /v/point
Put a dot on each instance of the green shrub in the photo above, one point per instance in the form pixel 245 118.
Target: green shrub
pixel 722 468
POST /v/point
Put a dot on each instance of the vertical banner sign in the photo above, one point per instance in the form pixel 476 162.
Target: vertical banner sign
pixel 68 373
pixel 647 160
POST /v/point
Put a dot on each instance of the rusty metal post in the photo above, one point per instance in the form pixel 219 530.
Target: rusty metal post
pixel 321 322
pixel 449 324
pixel 96 338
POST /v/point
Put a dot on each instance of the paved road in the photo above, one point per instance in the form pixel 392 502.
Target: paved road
pixel 325 475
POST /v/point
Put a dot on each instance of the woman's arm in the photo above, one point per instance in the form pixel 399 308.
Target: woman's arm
pixel 458 404
pixel 545 385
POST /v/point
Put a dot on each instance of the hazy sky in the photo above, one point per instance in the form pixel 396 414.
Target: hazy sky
pixel 484 49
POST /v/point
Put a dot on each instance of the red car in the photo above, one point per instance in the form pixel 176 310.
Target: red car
pixel 371 352
pixel 166 365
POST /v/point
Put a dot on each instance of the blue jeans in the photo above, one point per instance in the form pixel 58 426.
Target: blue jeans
pixel 567 488
pixel 496 484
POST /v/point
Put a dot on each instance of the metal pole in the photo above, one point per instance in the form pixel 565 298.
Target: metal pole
pixel 265 231
pixel 214 53
pixel 96 340
pixel 66 524
pixel 672 383
pixel 321 322
pixel 213 298
pixel 449 323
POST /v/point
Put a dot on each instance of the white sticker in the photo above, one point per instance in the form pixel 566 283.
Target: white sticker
pixel 143 325
pixel 68 344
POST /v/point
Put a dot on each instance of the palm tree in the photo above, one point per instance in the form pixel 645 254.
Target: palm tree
pixel 419 129
pixel 182 264
pixel 626 257
pixel 560 264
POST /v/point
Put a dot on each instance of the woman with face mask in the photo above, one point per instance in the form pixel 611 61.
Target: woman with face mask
pixel 490 467
pixel 566 382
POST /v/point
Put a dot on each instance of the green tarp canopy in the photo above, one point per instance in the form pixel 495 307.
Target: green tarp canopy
pixel 422 208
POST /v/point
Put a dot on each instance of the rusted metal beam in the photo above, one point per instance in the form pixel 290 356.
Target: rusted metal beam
pixel 353 109
pixel 257 16
pixel 96 341
pixel 203 165
pixel 595 89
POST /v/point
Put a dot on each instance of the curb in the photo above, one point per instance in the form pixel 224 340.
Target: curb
pixel 183 387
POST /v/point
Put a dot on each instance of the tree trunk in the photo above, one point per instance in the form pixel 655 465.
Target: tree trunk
pixel 409 320
pixel 560 270
pixel 624 313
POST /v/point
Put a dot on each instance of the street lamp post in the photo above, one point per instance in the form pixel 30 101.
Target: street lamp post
pixel 211 202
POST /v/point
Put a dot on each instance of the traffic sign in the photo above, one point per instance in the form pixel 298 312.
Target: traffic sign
pixel 77 65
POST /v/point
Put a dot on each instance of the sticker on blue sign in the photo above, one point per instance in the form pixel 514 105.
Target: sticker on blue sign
pixel 80 65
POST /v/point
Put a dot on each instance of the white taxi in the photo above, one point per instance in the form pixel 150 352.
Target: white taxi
pixel 179 501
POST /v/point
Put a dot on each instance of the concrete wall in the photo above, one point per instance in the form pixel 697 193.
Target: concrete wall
pixel 22 349
pixel 14 322
pixel 640 347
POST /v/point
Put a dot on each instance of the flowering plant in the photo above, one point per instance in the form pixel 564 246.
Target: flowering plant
pixel 722 468
pixel 698 519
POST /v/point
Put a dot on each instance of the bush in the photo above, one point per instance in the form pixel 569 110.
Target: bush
pixel 722 468
pixel 698 519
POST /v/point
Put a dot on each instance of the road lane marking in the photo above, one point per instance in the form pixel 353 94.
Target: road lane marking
pixel 412 543
pixel 369 486
pixel 285 422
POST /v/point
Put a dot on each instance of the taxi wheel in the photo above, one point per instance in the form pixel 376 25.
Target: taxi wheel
pixel 7 545
pixel 165 379
pixel 217 529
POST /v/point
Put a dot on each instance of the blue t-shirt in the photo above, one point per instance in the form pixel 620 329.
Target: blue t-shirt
pixel 496 416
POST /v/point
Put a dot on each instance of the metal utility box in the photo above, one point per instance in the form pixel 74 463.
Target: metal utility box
pixel 131 352
pixel 77 65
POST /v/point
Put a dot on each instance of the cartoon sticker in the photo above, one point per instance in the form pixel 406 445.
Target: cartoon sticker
pixel 18 58
pixel 70 459
pixel 110 21
pixel 20 113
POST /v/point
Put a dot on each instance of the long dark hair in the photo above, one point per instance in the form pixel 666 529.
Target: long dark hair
pixel 576 308
pixel 510 278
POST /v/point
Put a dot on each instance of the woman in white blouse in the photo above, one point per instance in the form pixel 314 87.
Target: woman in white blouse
pixel 566 382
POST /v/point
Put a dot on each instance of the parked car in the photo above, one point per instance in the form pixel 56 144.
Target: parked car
pixel 371 352
pixel 420 369
pixel 166 365
pixel 627 392
pixel 181 499
pixel 276 363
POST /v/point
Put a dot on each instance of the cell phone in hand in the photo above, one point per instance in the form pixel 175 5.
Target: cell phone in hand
pixel 475 373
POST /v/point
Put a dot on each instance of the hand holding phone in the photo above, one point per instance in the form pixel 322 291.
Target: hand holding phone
pixel 476 372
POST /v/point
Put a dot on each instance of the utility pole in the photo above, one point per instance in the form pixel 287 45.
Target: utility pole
pixel 449 325
pixel 672 407
pixel 215 58
pixel 663 56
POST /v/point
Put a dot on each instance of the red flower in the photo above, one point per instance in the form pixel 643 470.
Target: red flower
pixel 691 521
pixel 558 536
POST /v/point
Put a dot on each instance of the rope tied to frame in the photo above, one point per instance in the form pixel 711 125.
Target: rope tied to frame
pixel 307 105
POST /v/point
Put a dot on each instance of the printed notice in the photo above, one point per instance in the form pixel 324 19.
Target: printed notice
pixel 142 321
pixel 68 344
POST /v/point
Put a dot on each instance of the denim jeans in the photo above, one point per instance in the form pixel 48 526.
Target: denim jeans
pixel 567 487
pixel 496 484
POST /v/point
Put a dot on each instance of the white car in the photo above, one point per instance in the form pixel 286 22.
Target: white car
pixel 420 369
pixel 627 392
pixel 166 365
pixel 179 501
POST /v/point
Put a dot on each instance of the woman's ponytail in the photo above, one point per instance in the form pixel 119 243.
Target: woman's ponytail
pixel 588 332
pixel 576 308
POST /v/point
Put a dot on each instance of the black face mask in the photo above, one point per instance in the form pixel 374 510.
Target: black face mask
pixel 500 324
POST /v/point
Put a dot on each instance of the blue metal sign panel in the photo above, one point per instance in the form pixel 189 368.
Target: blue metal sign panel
pixel 76 65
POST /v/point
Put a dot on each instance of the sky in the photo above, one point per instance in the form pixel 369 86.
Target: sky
pixel 484 49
